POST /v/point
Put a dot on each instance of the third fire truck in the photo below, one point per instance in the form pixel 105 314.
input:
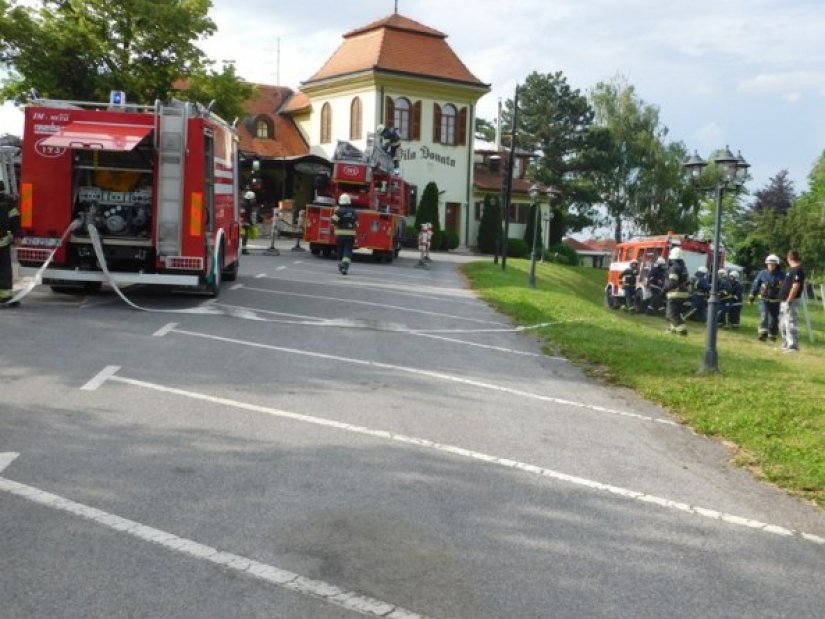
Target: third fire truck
pixel 380 196
pixel 645 250
pixel 157 186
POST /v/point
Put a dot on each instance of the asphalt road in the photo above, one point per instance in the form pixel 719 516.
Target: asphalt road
pixel 381 443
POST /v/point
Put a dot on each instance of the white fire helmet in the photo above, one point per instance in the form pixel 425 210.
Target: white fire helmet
pixel 772 259
pixel 733 274
pixel 379 129
pixel 344 199
pixel 675 253
pixel 702 269
pixel 722 273
pixel 661 260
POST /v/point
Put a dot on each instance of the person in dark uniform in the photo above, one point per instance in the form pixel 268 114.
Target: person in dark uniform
pixel 676 291
pixel 390 142
pixel 737 294
pixel 247 213
pixel 724 292
pixel 655 283
pixel 9 234
pixel 345 220
pixel 767 285
pixel 789 295
pixel 700 291
pixel 627 279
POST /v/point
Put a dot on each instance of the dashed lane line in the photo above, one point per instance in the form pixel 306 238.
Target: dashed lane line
pixel 285 579
pixel 426 373
pixel 478 456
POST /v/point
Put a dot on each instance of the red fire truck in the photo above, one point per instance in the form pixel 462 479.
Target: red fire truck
pixel 158 184
pixel 645 250
pixel 380 196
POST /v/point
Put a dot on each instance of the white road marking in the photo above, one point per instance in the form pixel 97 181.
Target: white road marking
pixel 7 458
pixel 280 268
pixel 326 592
pixel 483 457
pixel 260 276
pixel 236 286
pixel 165 329
pixel 487 346
pixel 428 374
pixel 101 377
pixel 385 288
pixel 369 303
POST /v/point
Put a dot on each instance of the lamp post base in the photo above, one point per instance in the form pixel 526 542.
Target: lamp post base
pixel 710 363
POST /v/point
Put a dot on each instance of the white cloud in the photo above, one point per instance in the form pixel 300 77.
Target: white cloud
pixel 789 85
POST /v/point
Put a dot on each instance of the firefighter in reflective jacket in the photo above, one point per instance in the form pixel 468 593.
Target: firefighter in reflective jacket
pixel 390 142
pixel 767 285
pixel 9 233
pixel 700 287
pixel 628 281
pixel 724 291
pixel 676 291
pixel 655 283
pixel 345 220
pixel 737 293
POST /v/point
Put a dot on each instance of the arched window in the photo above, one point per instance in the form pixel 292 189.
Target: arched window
pixel 355 119
pixel 401 121
pixel 263 127
pixel 448 116
pixel 326 124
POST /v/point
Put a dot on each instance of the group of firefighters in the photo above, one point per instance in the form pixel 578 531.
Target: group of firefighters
pixel 684 296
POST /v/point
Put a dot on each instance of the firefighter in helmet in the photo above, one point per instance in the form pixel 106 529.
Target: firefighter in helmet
pixel 9 235
pixel 390 142
pixel 246 217
pixel 700 291
pixel 724 291
pixel 676 291
pixel 737 293
pixel 345 220
pixel 767 285
pixel 627 279
pixel 655 283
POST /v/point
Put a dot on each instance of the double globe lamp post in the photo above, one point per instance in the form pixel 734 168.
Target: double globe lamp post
pixel 732 172
pixel 535 195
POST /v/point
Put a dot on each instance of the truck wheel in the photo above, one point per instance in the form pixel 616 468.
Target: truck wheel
pixel 329 252
pixel 609 301
pixel 314 249
pixel 231 274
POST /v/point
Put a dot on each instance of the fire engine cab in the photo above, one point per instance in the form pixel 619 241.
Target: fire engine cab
pixel 644 251
pixel 157 185
pixel 380 196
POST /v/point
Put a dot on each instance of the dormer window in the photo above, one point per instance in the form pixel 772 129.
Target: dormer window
pixel 263 128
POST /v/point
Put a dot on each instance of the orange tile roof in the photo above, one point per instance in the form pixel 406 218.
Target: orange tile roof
pixel 486 180
pixel 397 44
pixel 269 102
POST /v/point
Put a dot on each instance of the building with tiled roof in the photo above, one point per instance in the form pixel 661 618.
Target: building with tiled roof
pixel 396 71
pixel 268 135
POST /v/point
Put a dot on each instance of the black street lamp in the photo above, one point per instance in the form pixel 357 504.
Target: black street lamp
pixel 733 171
pixel 534 200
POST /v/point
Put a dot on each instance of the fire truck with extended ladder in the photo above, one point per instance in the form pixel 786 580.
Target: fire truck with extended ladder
pixel 380 196
pixel 644 251
pixel 156 185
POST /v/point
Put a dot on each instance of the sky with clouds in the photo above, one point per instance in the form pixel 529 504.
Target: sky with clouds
pixel 748 73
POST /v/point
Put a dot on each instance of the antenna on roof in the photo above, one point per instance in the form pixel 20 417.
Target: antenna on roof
pixel 396 6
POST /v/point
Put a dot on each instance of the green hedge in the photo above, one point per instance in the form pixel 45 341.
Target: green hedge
pixel 517 248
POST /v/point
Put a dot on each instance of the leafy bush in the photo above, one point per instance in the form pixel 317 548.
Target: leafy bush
pixel 517 248
pixel 449 240
pixel 489 229
pixel 437 240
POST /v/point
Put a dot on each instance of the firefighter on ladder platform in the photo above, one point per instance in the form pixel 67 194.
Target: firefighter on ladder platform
pixel 9 235
pixel 676 291
pixel 345 220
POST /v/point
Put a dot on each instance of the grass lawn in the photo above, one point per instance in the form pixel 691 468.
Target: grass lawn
pixel 769 404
